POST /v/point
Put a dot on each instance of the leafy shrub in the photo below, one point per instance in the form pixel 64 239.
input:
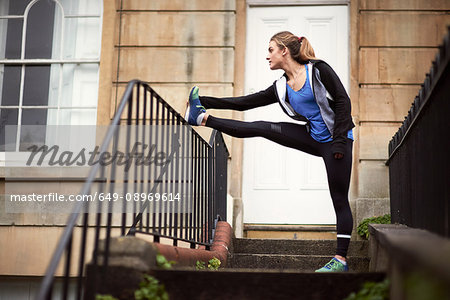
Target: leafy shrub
pixel 163 263
pixel 151 289
pixel 213 264
pixel 372 291
pixel 363 227
pixel 200 265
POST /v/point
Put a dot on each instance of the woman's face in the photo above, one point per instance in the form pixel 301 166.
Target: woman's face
pixel 275 56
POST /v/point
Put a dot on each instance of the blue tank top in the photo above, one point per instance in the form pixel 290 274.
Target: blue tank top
pixel 304 103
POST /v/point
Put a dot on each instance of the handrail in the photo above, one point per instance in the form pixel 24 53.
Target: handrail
pixel 192 165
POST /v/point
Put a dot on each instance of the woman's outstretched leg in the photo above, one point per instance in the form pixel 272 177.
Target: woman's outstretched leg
pixel 287 134
pixel 241 129
pixel 240 103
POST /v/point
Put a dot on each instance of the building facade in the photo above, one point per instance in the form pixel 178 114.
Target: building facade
pixel 77 70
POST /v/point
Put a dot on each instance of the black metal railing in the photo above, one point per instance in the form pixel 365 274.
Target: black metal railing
pixel 170 183
pixel 419 169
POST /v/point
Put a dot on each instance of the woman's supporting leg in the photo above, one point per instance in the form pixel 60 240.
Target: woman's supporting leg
pixel 295 136
pixel 286 134
pixel 338 173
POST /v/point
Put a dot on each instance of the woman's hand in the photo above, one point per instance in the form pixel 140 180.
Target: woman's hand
pixel 338 155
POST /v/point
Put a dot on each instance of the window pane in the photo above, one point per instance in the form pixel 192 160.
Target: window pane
pixel 82 38
pixel 57 33
pixel 32 135
pixel 34 116
pixel 78 117
pixel 52 116
pixel 81 7
pixel 53 92
pixel 15 7
pixel 40 30
pixel 35 90
pixel 7 117
pixel 10 38
pixel 10 85
pixel 3 34
pixel 72 117
pixel 80 85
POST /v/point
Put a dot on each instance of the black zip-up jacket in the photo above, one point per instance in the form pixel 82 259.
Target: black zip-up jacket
pixel 335 109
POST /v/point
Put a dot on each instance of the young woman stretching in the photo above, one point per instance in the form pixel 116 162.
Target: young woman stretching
pixel 322 127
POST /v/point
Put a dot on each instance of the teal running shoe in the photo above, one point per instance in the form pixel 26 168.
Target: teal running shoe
pixel 194 110
pixel 334 265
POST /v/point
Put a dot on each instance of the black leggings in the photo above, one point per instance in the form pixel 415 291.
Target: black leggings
pixel 295 136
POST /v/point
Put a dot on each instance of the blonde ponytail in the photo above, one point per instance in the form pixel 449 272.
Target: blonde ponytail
pixel 299 47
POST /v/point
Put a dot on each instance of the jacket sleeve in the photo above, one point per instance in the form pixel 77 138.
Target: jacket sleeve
pixel 241 103
pixel 342 106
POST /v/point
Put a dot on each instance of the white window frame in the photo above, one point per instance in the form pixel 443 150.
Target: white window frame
pixel 58 61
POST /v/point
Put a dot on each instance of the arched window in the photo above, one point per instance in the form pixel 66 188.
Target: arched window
pixel 49 62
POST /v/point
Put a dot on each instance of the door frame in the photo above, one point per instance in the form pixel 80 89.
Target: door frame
pixel 258 3
pixel 296 2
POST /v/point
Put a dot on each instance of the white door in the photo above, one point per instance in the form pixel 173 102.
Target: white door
pixel 281 185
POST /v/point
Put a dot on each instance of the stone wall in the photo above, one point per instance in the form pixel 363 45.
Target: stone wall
pixel 395 44
pixel 174 45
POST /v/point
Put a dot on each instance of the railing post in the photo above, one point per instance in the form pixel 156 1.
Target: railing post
pixel 221 160
pixel 211 194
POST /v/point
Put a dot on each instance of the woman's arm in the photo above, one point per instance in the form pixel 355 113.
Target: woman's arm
pixel 343 119
pixel 241 103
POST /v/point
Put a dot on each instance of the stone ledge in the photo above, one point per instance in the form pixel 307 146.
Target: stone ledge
pixel 135 253
pixel 220 248
pixel 131 257
pixel 410 248
pixel 258 284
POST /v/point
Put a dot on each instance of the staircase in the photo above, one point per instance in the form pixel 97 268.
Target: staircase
pixel 274 269
pixel 305 255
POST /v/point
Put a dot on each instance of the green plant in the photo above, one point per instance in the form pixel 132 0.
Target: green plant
pixel 372 291
pixel 213 264
pixel 151 289
pixel 105 297
pixel 363 227
pixel 163 263
pixel 200 265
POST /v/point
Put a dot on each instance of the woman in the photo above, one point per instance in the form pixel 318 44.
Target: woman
pixel 323 126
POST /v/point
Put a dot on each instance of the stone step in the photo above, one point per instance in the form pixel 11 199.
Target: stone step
pixel 290 231
pixel 293 262
pixel 261 284
pixel 294 247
